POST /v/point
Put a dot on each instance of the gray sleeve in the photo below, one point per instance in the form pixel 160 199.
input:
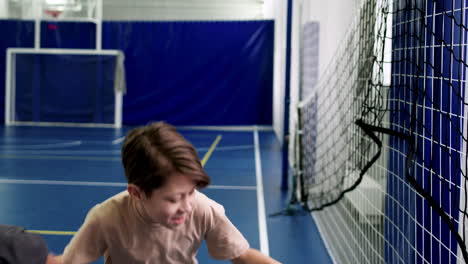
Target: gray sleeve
pixel 20 247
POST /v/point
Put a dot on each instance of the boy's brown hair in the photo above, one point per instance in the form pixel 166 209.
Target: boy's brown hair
pixel 152 153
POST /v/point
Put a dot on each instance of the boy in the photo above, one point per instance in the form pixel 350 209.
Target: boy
pixel 161 218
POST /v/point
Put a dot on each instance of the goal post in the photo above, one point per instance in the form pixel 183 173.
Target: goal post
pixel 64 87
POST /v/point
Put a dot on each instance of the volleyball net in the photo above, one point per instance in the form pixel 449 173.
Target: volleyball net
pixel 380 140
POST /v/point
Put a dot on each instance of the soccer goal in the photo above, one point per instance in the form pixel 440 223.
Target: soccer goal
pixel 64 87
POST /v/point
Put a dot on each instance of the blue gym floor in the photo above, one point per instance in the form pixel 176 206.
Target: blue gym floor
pixel 50 177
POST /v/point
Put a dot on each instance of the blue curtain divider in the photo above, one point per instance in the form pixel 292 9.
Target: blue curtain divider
pixel 187 73
pixel 68 35
pixel 196 73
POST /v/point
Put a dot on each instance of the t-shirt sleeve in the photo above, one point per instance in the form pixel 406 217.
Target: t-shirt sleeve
pixel 224 240
pixel 88 243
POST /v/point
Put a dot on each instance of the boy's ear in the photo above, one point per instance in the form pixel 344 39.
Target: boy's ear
pixel 134 191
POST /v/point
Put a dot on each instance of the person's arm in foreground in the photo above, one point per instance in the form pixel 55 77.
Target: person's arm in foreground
pixel 252 256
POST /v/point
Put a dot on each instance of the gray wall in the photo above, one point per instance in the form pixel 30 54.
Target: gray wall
pixel 148 9
pixel 182 9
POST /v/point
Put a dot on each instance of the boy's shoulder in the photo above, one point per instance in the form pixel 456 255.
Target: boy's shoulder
pixel 204 202
pixel 207 208
pixel 111 207
pixel 119 199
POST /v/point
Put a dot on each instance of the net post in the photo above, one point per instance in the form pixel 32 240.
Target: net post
pixel 37 7
pixel 118 109
pixel 8 87
pixel 299 192
pixel 98 23
pixel 285 157
pixel 37 33
pixel 119 89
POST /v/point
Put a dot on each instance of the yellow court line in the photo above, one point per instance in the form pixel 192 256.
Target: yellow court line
pixel 208 154
pixel 49 232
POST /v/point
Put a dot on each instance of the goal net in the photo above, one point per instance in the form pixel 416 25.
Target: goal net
pixel 64 87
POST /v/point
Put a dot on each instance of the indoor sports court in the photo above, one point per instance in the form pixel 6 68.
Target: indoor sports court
pixel 54 175
pixel 333 131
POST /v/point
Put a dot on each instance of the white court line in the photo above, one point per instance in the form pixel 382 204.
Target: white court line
pixel 264 248
pixel 42 146
pixel 117 140
pixel 229 148
pixel 109 184
pixel 226 128
pixel 116 153
pixel 68 183
pixel 100 152
pixel 51 157
pixel 229 187
pixel 322 235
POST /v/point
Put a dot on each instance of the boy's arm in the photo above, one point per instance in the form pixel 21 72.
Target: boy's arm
pixel 87 245
pixel 51 259
pixel 252 256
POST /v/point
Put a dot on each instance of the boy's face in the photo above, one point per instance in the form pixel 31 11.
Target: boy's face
pixel 171 204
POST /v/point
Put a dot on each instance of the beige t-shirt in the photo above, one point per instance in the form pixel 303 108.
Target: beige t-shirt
pixel 116 230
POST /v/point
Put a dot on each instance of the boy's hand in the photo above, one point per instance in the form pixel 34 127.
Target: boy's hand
pixel 52 259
